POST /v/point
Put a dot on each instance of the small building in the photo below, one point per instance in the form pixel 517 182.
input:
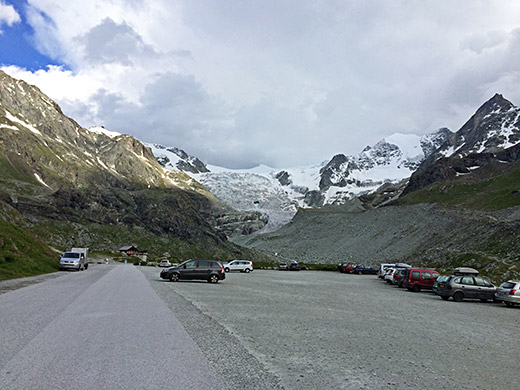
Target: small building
pixel 128 250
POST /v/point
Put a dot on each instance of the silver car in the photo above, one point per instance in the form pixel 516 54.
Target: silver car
pixel 239 265
pixel 509 292
pixel 466 287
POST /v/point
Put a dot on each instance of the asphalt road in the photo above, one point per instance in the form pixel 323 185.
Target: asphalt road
pixel 103 328
pixel 326 330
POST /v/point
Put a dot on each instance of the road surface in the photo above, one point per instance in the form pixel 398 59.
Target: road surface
pixel 103 328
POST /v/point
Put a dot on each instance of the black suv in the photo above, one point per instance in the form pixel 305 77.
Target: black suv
pixel 210 270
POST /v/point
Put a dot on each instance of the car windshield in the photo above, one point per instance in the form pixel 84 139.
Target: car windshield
pixel 508 285
pixel 71 255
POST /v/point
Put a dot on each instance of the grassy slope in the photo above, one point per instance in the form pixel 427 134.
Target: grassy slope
pixel 109 238
pixel 22 254
pixel 497 193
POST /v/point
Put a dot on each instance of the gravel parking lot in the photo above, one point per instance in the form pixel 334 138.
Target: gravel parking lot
pixel 317 330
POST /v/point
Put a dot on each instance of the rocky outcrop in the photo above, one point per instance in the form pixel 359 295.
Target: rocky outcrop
pixel 241 223
pixel 175 158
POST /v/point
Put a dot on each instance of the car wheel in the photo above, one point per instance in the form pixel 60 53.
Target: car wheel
pixel 174 277
pixel 213 279
pixel 86 266
pixel 416 288
pixel 458 296
pixel 359 273
pixel 445 297
pixel 247 270
pixel 508 304
pixel 226 269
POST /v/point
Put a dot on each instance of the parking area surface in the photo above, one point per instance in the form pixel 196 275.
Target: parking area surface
pixel 326 330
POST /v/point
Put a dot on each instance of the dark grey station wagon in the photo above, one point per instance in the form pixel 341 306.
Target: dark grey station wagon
pixel 210 270
pixel 466 287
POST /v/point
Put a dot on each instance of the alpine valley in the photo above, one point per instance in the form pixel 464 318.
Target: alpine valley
pixel 442 199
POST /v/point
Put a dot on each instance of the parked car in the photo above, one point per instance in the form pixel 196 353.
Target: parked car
pixel 239 265
pixel 165 263
pixel 389 274
pixel 461 287
pixel 399 276
pixel 210 270
pixel 383 268
pixel 365 270
pixel 283 266
pixel 509 293
pixel 294 266
pixel 440 279
pixel 346 267
pixel 420 279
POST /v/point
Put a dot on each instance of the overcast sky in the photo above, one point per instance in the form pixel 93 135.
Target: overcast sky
pixel 278 82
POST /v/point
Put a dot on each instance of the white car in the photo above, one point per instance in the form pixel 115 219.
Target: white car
pixel 389 275
pixel 383 268
pixel 165 263
pixel 239 265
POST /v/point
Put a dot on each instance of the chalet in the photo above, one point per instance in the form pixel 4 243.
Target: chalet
pixel 129 250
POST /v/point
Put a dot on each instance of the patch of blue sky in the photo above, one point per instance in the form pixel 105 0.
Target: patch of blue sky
pixel 17 45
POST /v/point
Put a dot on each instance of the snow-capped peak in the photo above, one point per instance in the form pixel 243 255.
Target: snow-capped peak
pixel 102 130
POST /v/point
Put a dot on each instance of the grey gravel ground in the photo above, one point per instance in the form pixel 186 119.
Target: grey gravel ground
pixel 319 330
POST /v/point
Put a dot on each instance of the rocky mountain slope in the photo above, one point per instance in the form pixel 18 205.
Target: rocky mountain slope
pixel 495 126
pixel 99 189
pixel 458 210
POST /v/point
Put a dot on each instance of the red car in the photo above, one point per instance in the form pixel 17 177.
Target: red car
pixel 420 279
pixel 347 267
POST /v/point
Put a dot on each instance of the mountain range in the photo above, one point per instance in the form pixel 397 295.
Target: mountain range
pixel 67 185
pixel 376 176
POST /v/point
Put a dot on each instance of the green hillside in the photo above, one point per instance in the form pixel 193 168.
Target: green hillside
pixel 22 254
pixel 497 193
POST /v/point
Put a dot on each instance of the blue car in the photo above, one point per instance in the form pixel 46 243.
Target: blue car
pixel 363 269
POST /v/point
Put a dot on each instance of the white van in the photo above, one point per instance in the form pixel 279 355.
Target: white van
pixel 76 259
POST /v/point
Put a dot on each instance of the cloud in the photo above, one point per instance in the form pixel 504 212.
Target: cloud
pixel 110 42
pixel 8 15
pixel 280 83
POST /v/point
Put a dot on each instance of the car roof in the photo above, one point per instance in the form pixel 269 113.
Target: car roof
pixel 423 269
pixel 465 271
